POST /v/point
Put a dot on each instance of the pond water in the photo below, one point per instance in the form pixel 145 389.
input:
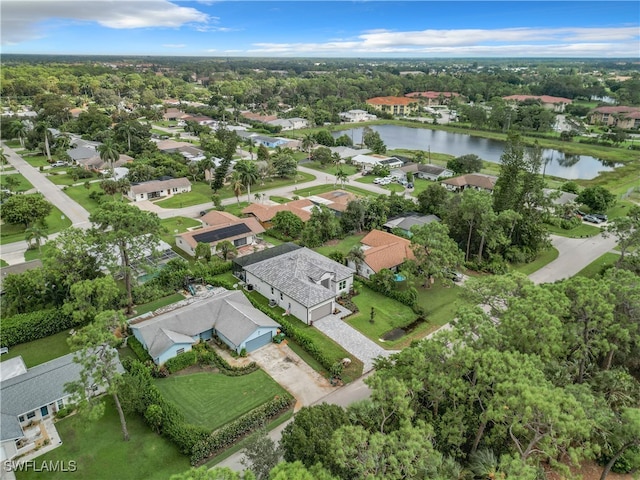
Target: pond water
pixel 558 163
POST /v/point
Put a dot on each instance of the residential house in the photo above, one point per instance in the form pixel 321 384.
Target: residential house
pixel 622 117
pixel 479 181
pixel 186 149
pixel 174 114
pixel 264 213
pixel 270 142
pixel 158 188
pixel 200 119
pixel 356 116
pixel 78 154
pixel 557 104
pixel 431 98
pixel 367 162
pixel 427 172
pixel 404 224
pixel 394 105
pixel 382 250
pixel 227 314
pixel 221 226
pixel 256 117
pixel 96 164
pixel 30 396
pixel 301 281
pixel 335 200
pixel 349 152
pixel 295 123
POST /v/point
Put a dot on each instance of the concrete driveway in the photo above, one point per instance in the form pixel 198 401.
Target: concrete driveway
pixel 292 373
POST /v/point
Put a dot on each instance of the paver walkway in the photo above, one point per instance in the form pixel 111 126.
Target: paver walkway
pixel 351 339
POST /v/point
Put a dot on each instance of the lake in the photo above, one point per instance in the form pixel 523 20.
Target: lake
pixel 559 164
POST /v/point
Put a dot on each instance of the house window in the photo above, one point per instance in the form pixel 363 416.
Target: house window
pixel 60 404
pixel 281 296
pixel 21 418
pixel 179 351
pixel 31 414
pixel 342 285
pixel 271 290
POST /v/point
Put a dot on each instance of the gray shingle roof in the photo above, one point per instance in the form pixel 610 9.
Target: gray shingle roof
pixel 295 273
pixel 230 313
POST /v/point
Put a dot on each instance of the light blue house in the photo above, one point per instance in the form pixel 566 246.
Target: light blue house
pixel 229 315
pixel 269 142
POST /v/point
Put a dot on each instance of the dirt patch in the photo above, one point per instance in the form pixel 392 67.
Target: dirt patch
pixel 197 369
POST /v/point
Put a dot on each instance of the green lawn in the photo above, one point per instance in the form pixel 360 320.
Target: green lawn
pixel 22 186
pixel 389 314
pixel 66 179
pixel 80 194
pixel 36 160
pixel 161 302
pixel 201 192
pixel 214 399
pixel 331 168
pixel 343 246
pixel 277 199
pixel 42 350
pixel 307 192
pixel 3 263
pixel 13 144
pixel 15 233
pixel 581 231
pixel 235 208
pixel 272 240
pixel 100 453
pixel 420 184
pixel 176 225
pixel 543 259
pixel 594 268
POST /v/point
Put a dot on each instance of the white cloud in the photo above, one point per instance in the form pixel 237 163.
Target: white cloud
pixel 23 20
pixel 584 42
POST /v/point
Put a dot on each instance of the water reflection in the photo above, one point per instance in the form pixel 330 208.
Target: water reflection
pixel 457 144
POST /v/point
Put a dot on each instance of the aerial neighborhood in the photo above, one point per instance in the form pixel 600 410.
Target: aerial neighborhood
pixel 423 268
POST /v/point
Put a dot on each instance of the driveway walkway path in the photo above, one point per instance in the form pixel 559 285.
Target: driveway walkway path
pixel 351 340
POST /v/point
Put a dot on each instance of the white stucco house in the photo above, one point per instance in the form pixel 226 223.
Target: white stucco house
pixel 355 116
pixel 294 123
pixel 367 162
pixel 158 188
pixel 227 314
pixel 299 280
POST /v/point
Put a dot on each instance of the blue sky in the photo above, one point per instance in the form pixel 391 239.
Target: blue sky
pixel 420 29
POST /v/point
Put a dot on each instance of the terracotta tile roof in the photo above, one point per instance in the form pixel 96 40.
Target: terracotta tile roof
pixel 339 199
pixel 620 109
pixel 386 250
pixel 391 101
pixel 215 217
pixel 542 98
pixel 432 95
pixel 265 213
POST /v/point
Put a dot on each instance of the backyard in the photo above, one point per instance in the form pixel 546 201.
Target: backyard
pixel 41 350
pixel 343 246
pixel 331 168
pixel 100 452
pixel 213 399
pixel 55 222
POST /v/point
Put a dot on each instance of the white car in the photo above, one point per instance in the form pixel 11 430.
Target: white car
pixel 59 163
pixel 377 180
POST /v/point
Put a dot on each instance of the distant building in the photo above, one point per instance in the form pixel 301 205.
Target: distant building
pixel 431 98
pixel 367 162
pixel 557 104
pixel 394 105
pixel 479 181
pixel 290 123
pixel 621 117
pixel 356 116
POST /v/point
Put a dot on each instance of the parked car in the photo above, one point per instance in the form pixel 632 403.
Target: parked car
pixel 592 219
pixel 59 163
pixel 601 216
pixel 580 213
pixel 377 180
pixel 409 185
pixel 452 275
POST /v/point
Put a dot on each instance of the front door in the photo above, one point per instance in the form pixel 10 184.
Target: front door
pixel 44 411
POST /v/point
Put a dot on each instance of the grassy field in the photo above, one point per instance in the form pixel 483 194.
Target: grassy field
pixel 36 160
pixel 595 267
pixel 22 186
pixel 41 350
pixel 65 179
pixel 389 314
pixel 331 169
pixel 214 399
pixel 101 454
pixel 81 194
pixel 15 233
pixel 307 192
pixel 543 259
pixel 343 246
pixel 176 225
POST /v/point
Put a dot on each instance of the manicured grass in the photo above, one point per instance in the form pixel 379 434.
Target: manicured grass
pixel 201 192
pixel 80 194
pixel 13 144
pixel 277 199
pixel 36 160
pixel 33 254
pixel 213 399
pixel 620 209
pixel 22 186
pixel 393 187
pixel 101 453
pixel 236 208
pixel 161 302
pixel 581 231
pixel 543 259
pixel 307 192
pixel 272 240
pixel 331 169
pixel 41 350
pixel 389 314
pixel 594 268
pixel 66 179
pixel 343 246
pixel 3 263
pixel 16 233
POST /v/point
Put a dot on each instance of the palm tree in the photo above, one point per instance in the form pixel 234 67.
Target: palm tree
pixel 43 128
pixel 342 177
pixel 356 255
pixel 308 143
pixel 248 172
pixel 35 233
pixel 236 185
pixel 109 152
pixel 127 129
pixel 19 129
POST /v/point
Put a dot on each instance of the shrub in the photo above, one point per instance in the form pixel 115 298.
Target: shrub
pixel 26 327
pixel 63 412
pixel 138 349
pixel 182 361
pixel 148 292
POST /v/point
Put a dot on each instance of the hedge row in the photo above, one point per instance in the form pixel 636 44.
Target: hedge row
pixel 407 297
pixel 203 355
pixel 26 327
pixel 137 348
pixel 182 361
pixel 232 432
pixel 297 334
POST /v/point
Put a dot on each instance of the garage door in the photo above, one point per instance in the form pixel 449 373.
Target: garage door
pixel 258 342
pixel 320 312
